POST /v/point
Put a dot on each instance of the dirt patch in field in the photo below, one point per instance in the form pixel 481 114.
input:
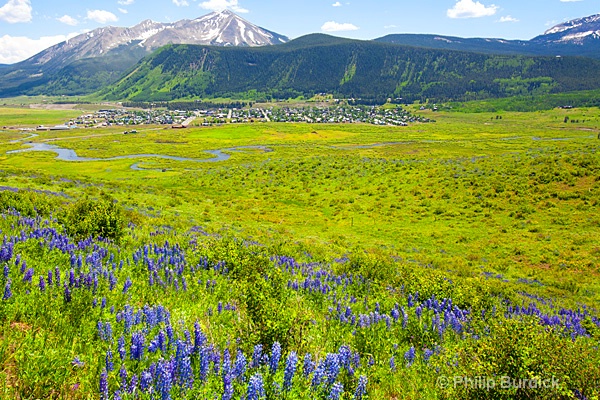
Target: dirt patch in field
pixel 54 106
pixel 20 326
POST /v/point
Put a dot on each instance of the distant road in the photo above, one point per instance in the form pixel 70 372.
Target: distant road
pixel 188 121
pixel 266 115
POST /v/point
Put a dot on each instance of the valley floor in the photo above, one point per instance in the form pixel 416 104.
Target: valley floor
pixel 405 261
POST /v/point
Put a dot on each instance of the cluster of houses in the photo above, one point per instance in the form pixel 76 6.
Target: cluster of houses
pixel 125 117
pixel 343 114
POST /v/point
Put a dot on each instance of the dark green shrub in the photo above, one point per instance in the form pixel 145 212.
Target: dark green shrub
pixel 95 218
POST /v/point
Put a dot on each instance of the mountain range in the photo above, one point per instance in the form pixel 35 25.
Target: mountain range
pixel 221 53
pixel 114 50
pixel 579 37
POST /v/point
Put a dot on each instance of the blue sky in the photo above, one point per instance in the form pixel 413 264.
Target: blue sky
pixel 29 26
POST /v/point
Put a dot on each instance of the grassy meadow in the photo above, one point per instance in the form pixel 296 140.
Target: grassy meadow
pixel 345 262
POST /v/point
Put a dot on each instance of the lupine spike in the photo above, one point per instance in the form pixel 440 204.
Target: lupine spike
pixel 290 370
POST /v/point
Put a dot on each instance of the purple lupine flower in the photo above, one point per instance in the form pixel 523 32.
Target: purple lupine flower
pixel 336 391
pixel 393 363
pixel 6 270
pixel 108 361
pixel 216 360
pixel 108 332
pixel 146 381
pixel 67 294
pixel 419 312
pixel 104 385
pixel 309 365
pixel 162 341
pixel 257 356
pixel 7 290
pixel 205 357
pixel 239 368
pixel 77 363
pixel 133 384
pixel 57 275
pixel 49 277
pixel 256 388
pixel 71 278
pixel 409 356
pixel 112 281
pixel 121 348
pixel 318 375
pixel 127 285
pixel 28 275
pixel 123 376
pixel 227 387
pixel 332 368
pixel 275 357
pixel 137 346
pixel 427 355
pixel 226 369
pixel 100 329
pixel 361 389
pixel 183 366
pixel 164 382
pixel 345 357
pixel 290 370
pixel 199 338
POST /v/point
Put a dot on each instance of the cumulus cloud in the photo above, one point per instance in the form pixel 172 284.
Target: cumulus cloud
pixel 332 26
pixel 181 3
pixel 67 19
pixel 101 16
pixel 126 2
pixel 123 11
pixel 508 18
pixel 569 1
pixel 16 11
pixel 19 48
pixel 471 9
pixel 337 4
pixel 220 5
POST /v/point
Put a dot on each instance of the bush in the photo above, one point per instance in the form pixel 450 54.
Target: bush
pixel 95 218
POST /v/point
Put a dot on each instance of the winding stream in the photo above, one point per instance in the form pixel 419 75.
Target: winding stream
pixel 70 155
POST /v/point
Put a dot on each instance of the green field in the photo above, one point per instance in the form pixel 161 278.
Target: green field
pixel 494 211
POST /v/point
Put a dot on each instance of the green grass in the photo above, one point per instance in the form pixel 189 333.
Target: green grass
pixel 474 208
pixel 30 117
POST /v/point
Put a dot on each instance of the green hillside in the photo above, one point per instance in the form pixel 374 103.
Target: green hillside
pixel 318 63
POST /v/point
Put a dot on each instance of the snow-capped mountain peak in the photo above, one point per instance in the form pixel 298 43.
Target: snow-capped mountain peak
pixel 223 28
pixel 576 31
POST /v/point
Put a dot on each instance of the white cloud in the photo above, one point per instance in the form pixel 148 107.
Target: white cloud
pixel 19 48
pixel 333 26
pixel 508 18
pixel 220 5
pixel 16 11
pixel 337 4
pixel 390 26
pixel 123 11
pixel 67 19
pixel 126 2
pixel 101 16
pixel 471 9
pixel 569 1
pixel 181 3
